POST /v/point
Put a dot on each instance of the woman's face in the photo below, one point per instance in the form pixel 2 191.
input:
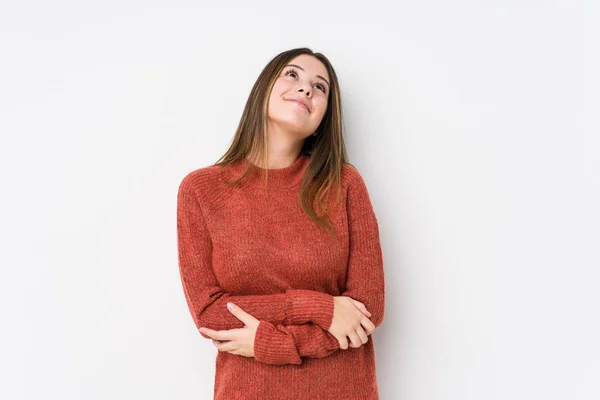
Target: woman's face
pixel 304 79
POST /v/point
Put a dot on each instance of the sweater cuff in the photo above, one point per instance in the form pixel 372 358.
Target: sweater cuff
pixel 272 346
pixel 310 306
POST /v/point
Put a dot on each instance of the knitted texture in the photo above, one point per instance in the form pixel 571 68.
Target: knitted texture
pixel 254 246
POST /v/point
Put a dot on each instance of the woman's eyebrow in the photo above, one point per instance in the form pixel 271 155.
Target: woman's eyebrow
pixel 318 76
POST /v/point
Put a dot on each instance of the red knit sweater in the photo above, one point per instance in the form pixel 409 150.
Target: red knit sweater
pixel 255 246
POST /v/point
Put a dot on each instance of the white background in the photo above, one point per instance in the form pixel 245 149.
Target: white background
pixel 474 124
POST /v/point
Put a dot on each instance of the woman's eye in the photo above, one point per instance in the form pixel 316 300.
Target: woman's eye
pixel 295 74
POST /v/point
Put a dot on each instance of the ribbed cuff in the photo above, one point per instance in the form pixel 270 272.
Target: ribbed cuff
pixel 309 306
pixel 272 346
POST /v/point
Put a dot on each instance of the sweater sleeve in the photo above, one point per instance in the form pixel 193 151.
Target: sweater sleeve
pixel 365 275
pixel 287 344
pixel 207 301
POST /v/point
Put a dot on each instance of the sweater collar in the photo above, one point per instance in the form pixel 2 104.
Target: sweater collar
pixel 278 178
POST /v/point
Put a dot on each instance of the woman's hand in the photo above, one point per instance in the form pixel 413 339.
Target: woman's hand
pixel 238 341
pixel 349 319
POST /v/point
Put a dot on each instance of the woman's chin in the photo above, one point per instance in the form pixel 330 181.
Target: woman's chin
pixel 291 122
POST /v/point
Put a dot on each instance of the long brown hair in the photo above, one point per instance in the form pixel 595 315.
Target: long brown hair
pixel 326 150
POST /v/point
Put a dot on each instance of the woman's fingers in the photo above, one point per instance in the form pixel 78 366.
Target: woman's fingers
pixel 224 345
pixel 368 325
pixel 348 312
pixel 356 337
pixel 361 307
pixel 343 340
pixel 362 335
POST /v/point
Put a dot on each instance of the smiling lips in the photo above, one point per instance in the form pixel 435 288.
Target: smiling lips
pixel 299 103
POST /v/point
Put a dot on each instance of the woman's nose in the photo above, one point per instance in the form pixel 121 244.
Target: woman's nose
pixel 302 89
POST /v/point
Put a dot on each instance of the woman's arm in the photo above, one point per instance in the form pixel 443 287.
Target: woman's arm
pixel 366 279
pixel 207 300
pixel 287 344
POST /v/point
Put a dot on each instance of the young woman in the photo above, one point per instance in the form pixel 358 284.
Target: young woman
pixel 282 229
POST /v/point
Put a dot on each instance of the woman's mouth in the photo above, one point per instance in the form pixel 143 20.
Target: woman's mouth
pixel 299 104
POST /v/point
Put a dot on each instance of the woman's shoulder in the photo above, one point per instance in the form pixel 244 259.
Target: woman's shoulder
pixel 351 176
pixel 201 179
